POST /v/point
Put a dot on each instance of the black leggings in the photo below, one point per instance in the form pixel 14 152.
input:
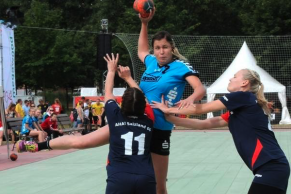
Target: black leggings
pixel 264 189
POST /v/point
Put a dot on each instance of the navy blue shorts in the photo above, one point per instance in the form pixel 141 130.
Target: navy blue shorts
pixel 126 183
pixel 275 173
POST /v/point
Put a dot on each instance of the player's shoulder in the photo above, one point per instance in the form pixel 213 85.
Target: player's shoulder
pixel 180 64
pixel 241 94
pixel 149 59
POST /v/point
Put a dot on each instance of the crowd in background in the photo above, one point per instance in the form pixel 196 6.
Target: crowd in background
pixel 87 113
pixel 42 119
pixel 33 115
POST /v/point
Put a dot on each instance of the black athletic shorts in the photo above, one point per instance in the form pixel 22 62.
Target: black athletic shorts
pixel 275 173
pixel 160 143
pixel 95 119
pixel 126 183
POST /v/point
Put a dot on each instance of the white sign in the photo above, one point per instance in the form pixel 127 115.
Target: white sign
pixel 8 56
pixel 88 91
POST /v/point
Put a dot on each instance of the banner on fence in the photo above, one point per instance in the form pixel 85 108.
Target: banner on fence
pixel 8 65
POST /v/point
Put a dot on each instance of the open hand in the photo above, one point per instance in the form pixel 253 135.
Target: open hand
pixel 163 106
pixel 184 103
pixel 111 62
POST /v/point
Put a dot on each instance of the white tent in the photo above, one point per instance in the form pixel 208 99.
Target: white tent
pixel 245 59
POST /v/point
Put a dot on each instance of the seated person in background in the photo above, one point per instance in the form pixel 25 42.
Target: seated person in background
pixel 28 126
pixel 48 113
pixel 11 113
pixel 50 126
pixel 36 118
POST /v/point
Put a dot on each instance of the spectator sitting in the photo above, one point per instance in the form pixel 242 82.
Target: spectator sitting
pixel 19 110
pixel 57 106
pixel 36 118
pixel 48 113
pixel 50 126
pixel 28 126
pixel 11 113
pixel 26 107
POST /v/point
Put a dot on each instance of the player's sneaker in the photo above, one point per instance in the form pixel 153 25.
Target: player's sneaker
pixel 26 146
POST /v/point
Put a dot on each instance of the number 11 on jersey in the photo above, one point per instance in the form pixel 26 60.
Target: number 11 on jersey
pixel 128 137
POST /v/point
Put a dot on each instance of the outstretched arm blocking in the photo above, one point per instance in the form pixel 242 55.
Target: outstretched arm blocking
pixel 95 139
pixel 196 123
pixel 193 109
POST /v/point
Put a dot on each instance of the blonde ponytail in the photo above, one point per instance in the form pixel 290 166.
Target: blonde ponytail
pixel 177 55
pixel 257 87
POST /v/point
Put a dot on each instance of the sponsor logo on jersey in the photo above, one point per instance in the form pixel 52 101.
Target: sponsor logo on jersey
pixel 172 95
pixel 150 78
pixel 165 145
pixel 258 175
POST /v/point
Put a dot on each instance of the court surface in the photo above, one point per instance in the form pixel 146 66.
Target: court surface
pixel 200 162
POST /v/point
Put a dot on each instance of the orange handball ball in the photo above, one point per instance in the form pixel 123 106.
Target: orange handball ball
pixel 143 7
pixel 13 156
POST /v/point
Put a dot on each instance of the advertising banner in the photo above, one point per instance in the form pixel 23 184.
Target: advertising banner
pixel 8 65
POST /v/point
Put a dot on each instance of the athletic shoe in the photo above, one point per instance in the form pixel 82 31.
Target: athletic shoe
pixel 26 146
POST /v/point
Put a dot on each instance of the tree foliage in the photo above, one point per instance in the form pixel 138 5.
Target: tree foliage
pixel 56 43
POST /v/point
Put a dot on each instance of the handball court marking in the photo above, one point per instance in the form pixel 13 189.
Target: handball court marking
pixel 201 162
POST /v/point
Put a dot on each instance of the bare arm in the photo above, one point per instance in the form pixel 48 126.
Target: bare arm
pixel 36 126
pixel 79 112
pixel 94 139
pixel 27 127
pixel 143 45
pixel 199 90
pixel 197 123
pixel 111 69
pixel 194 109
pixel 124 73
pixel 198 93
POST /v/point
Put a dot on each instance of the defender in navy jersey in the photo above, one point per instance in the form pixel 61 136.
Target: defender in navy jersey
pixel 248 119
pixel 129 132
pixel 130 135
pixel 166 74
